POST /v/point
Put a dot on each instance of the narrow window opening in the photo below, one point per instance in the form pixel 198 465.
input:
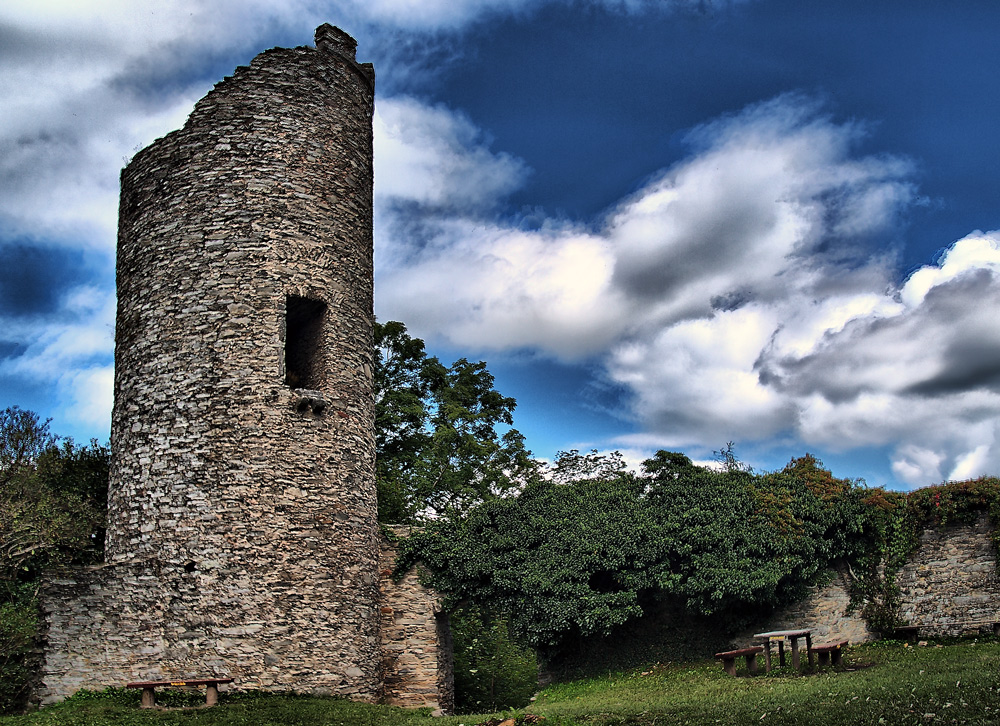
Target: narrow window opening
pixel 303 329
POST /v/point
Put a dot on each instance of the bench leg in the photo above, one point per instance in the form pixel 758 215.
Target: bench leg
pixel 835 657
pixel 809 649
pixel 795 653
pixel 211 694
pixel 752 663
pixel 148 698
pixel 729 666
pixel 767 656
pixel 824 658
pixel 781 653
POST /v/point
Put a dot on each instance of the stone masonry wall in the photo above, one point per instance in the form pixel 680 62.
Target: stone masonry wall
pixel 108 625
pixel 824 611
pixel 416 639
pixel 948 586
pixel 111 624
pixel 951 579
pixel 242 533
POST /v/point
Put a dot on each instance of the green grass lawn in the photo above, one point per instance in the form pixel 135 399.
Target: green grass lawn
pixel 880 683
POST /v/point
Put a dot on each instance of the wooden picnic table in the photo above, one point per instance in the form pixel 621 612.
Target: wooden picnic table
pixel 779 637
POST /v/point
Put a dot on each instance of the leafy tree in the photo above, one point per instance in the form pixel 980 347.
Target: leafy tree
pixel 439 446
pixel 23 438
pixel 53 498
pixel 571 466
pixel 740 542
pixel 557 560
pixel 18 625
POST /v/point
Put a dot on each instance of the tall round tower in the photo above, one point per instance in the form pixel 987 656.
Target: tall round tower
pixel 242 433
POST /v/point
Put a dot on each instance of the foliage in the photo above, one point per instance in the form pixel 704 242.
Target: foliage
pixel 555 559
pixel 438 442
pixel 23 438
pixel 53 498
pixel 492 673
pixel 571 466
pixel 580 555
pixel 591 546
pixel 898 521
pixel 955 503
pixel 18 623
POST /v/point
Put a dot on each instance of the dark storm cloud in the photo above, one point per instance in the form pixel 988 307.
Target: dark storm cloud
pixel 712 239
pixel 948 344
pixel 34 279
pixel 968 366
pixel 23 47
pixel 969 345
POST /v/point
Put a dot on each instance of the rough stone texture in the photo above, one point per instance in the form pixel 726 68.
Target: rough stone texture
pixel 416 639
pixel 948 586
pixel 824 611
pixel 242 533
pixel 952 579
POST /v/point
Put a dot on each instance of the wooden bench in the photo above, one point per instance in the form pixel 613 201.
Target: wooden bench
pixel 729 658
pixel 829 653
pixel 149 689
pixel 906 632
pixel 912 632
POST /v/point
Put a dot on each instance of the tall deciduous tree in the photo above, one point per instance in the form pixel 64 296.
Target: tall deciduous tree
pixel 52 498
pixel 443 441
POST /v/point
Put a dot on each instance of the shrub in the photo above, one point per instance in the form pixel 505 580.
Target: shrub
pixel 18 623
pixel 578 555
pixel 492 672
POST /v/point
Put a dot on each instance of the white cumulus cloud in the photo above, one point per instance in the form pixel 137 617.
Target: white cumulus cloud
pixel 735 296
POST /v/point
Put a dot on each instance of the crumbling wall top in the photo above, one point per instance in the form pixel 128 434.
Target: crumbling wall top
pixel 330 39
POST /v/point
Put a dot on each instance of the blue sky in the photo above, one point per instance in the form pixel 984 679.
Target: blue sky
pixel 668 224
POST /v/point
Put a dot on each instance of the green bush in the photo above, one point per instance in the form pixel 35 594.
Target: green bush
pixel 18 623
pixel 580 554
pixel 492 672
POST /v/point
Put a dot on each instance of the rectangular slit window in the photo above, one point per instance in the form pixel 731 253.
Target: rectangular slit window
pixel 303 337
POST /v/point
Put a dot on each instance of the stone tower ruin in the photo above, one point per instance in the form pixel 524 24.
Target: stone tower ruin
pixel 241 431
pixel 242 529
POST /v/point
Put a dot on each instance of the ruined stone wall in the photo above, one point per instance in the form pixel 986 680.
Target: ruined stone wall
pixel 416 639
pixel 948 586
pixel 824 610
pixel 242 533
pixel 108 625
pixel 951 579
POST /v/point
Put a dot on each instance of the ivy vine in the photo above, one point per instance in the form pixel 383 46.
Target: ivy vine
pixel 593 547
pixel 898 521
pixel 588 550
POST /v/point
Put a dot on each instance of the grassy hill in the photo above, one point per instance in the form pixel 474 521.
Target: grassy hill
pixel 881 683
